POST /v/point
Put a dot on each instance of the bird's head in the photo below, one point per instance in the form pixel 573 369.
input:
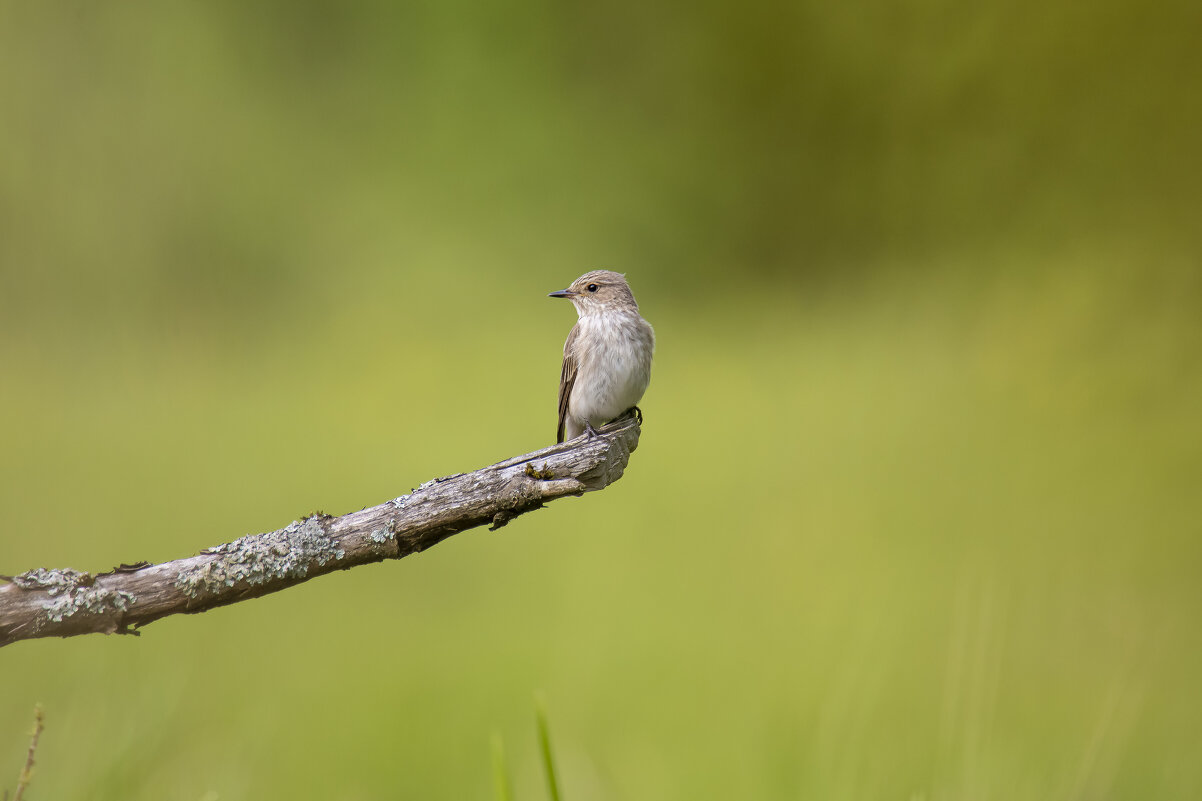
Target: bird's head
pixel 597 291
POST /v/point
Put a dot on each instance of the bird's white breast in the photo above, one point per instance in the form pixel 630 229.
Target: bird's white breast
pixel 613 357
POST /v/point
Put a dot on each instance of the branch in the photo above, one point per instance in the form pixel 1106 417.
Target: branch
pixel 65 602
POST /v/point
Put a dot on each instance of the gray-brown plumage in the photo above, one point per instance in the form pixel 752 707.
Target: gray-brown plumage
pixel 607 356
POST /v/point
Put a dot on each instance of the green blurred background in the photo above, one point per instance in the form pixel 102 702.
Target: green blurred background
pixel 916 511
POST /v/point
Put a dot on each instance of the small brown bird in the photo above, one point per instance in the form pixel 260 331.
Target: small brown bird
pixel 607 357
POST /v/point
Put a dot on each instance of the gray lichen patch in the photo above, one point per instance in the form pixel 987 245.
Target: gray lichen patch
pixel 72 592
pixel 92 600
pixel 382 541
pixel 259 558
pixel 52 581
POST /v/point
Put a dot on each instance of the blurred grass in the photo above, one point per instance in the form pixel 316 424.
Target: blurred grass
pixel 544 746
pixel 915 511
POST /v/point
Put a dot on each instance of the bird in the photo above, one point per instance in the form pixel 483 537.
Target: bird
pixel 607 355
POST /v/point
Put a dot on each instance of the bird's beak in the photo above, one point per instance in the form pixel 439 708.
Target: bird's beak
pixel 563 293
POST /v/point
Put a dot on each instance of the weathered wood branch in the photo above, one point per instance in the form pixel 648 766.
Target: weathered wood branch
pixel 65 602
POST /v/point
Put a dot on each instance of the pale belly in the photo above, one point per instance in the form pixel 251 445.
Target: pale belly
pixel 611 377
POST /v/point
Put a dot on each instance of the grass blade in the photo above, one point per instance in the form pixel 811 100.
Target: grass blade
pixel 502 787
pixel 544 742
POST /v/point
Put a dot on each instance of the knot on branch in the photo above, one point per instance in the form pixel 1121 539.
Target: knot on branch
pixel 527 490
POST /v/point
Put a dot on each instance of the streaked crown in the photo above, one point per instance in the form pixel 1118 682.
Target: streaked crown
pixel 598 290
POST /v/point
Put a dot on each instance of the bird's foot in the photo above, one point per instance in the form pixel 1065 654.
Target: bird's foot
pixel 589 431
pixel 638 413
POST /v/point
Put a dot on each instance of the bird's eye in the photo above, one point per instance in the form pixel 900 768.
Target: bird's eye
pixel 591 287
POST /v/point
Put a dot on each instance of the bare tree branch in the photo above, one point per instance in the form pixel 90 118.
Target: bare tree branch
pixel 65 602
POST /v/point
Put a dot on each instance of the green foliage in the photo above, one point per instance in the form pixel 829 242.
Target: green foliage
pixel 915 510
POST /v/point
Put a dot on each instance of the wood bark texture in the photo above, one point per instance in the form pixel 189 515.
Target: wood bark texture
pixel 66 602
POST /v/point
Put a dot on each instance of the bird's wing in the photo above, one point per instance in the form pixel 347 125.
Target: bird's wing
pixel 567 379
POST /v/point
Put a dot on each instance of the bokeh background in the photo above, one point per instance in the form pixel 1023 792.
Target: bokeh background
pixel 916 511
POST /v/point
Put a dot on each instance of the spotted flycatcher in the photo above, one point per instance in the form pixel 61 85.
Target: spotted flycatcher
pixel 607 358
